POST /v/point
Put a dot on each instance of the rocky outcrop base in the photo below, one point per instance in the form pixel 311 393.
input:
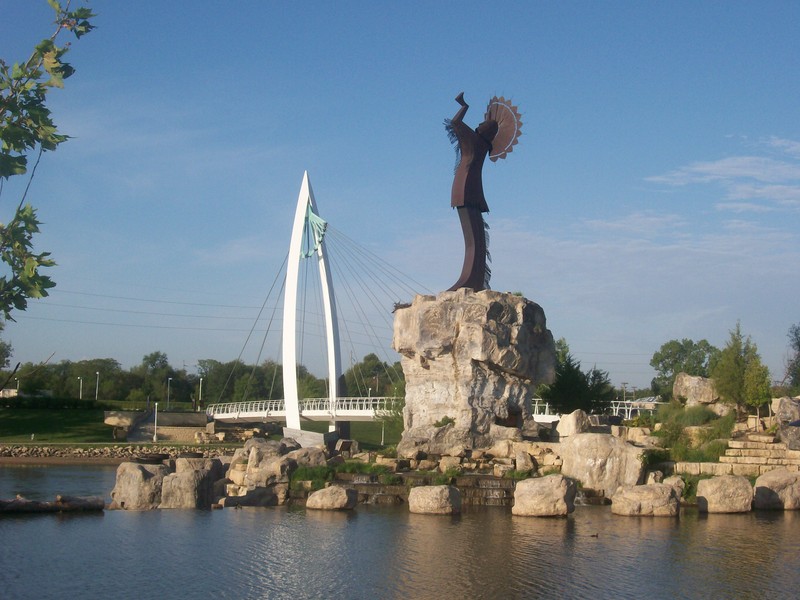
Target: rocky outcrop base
pixel 434 500
pixel 725 494
pixel 777 490
pixel 654 500
pixel 551 496
pixel 601 461
pixel 333 498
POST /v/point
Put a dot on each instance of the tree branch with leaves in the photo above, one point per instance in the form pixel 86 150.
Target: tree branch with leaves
pixel 27 130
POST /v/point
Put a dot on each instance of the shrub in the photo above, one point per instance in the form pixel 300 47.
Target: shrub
pixel 696 415
pixel 445 421
pixel 318 476
pixel 389 452
pixel 642 420
pixel 354 466
pixel 651 458
pixel 445 478
pixel 674 438
pixel 517 475
pixel 690 491
pixel 390 479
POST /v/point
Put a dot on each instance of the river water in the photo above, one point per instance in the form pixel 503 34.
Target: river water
pixel 381 552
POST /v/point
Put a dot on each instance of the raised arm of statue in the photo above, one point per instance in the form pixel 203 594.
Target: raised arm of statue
pixel 494 137
pixel 459 116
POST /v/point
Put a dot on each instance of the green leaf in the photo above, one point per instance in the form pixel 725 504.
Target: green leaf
pixel 12 165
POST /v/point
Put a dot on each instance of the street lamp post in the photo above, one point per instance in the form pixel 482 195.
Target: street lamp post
pixel 80 388
pixel 97 387
pixel 200 395
pixel 155 426
pixel 169 381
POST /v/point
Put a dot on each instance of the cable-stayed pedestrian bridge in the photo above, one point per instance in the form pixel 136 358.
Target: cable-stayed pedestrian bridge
pixel 310 409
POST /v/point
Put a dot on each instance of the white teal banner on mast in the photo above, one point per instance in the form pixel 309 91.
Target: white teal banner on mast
pixel 308 225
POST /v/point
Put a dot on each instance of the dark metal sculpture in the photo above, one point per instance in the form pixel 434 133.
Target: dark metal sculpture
pixel 495 138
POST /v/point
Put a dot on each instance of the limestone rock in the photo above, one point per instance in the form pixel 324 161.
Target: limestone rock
pixel 433 440
pixel 333 498
pixel 777 490
pixel 575 422
pixel 434 500
pixel 653 500
pixel 269 470
pixel 699 390
pixel 551 496
pixel 189 489
pixel 724 494
pixel 524 462
pixel 655 477
pixel 192 483
pixel 601 461
pixel 677 482
pixel 308 457
pixel 263 496
pixel 449 462
pixel 696 390
pixel 138 486
pixel 787 412
pixel 475 357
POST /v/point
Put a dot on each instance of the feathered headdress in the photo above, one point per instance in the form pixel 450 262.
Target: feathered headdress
pixel 509 125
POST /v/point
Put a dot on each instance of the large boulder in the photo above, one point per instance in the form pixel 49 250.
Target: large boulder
pixel 695 390
pixel 268 471
pixel 724 494
pixel 308 457
pixel 192 483
pixel 787 412
pixel 434 500
pixel 551 496
pixel 601 461
pixel 473 358
pixel 333 497
pixel 653 500
pixel 138 486
pixel 699 390
pixel 575 422
pixel 263 496
pixel 777 490
pixel 190 489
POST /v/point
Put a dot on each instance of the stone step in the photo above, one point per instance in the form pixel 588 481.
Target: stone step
pixel 693 468
pixel 761 437
pixel 752 445
pixel 770 453
pixel 758 460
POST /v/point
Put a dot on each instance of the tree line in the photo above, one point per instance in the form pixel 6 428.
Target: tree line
pixel 155 380
pixel 739 375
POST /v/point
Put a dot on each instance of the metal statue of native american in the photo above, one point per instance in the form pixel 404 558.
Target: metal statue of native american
pixel 495 138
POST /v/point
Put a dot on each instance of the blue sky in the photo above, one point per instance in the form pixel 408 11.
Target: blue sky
pixel 655 193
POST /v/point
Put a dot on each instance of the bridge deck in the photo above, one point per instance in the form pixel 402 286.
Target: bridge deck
pixel 311 409
pixel 319 409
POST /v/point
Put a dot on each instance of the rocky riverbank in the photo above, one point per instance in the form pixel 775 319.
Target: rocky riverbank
pixel 110 455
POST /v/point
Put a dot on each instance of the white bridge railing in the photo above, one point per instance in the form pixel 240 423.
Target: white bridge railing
pixel 357 408
pixel 628 408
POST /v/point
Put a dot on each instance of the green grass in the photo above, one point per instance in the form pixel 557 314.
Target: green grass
pixel 72 426
pixel 674 419
pixel 316 475
pixel 367 433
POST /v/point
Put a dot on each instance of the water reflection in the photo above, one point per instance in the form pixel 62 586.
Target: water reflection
pixel 386 552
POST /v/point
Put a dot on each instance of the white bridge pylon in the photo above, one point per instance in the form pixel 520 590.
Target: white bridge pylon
pixel 307 243
pixel 310 227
